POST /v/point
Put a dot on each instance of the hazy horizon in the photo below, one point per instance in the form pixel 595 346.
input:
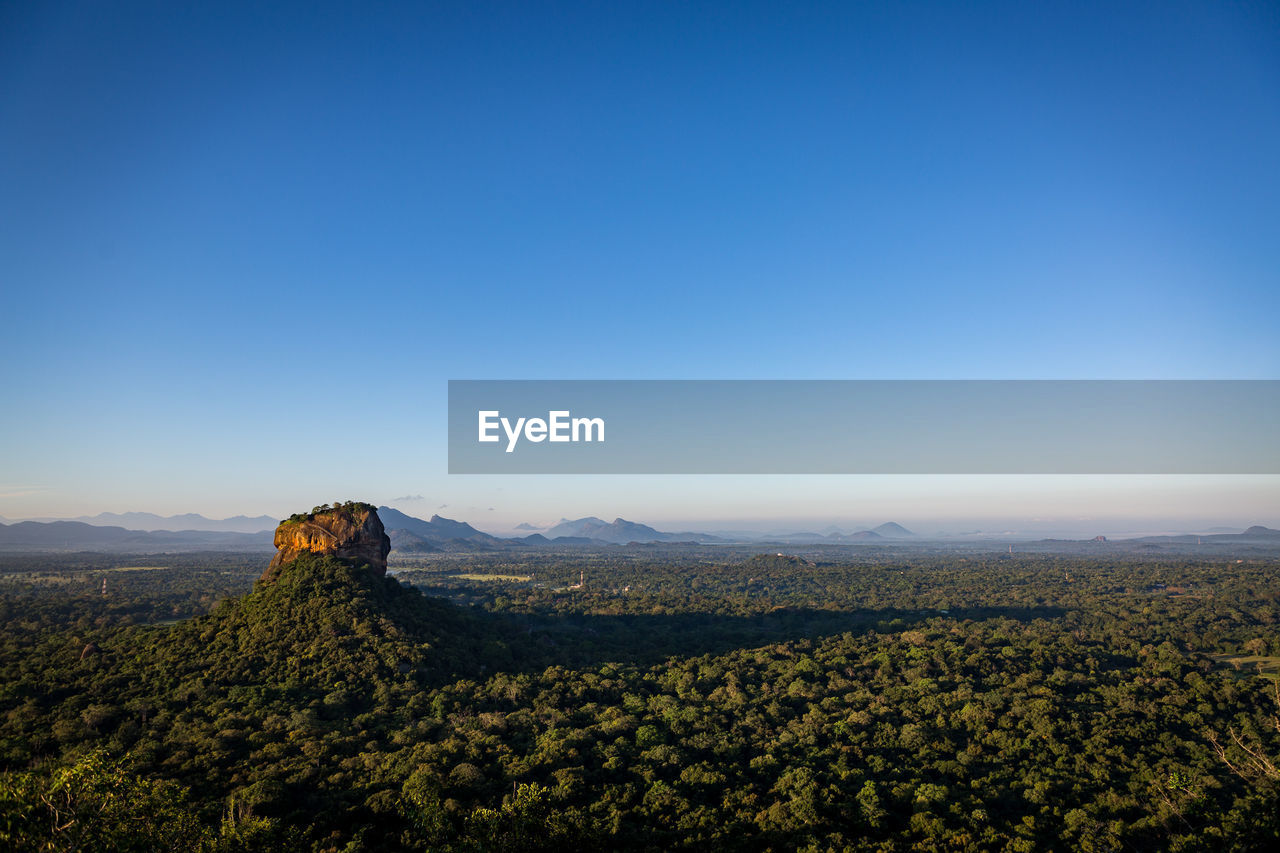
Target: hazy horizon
pixel 947 505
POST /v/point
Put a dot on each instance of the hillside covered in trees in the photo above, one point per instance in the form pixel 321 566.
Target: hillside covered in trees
pixel 642 699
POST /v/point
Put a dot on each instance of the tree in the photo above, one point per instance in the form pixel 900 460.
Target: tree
pixel 95 804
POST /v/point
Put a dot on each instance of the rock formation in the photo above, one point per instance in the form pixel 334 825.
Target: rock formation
pixel 350 531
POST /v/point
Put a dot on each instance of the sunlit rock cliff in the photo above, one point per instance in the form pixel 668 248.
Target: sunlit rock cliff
pixel 350 531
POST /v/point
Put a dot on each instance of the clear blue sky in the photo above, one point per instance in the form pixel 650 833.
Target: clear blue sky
pixel 243 246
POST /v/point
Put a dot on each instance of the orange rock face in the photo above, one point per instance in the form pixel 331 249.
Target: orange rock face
pixel 350 532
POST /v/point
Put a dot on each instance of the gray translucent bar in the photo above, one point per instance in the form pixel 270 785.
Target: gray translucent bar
pixel 867 427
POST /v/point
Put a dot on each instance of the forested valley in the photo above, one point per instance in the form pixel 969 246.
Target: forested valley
pixel 641 698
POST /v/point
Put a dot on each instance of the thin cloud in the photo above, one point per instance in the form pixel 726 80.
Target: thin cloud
pixel 20 491
pixel 407 498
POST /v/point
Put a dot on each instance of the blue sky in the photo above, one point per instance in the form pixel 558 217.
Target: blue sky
pixel 242 249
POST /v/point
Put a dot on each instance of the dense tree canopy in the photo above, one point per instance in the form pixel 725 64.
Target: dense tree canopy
pixel 675 699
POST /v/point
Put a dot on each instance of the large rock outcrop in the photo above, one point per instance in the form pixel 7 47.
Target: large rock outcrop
pixel 350 531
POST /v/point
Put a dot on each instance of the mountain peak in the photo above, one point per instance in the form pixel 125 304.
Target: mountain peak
pixel 619 531
pixel 351 531
pixel 439 532
pixel 892 530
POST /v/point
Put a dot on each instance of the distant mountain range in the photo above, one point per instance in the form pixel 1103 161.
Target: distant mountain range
pixel 592 530
pixel 149 521
pixel 890 530
pixel 1255 534
pixel 411 535
pixel 79 536
pixel 619 532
